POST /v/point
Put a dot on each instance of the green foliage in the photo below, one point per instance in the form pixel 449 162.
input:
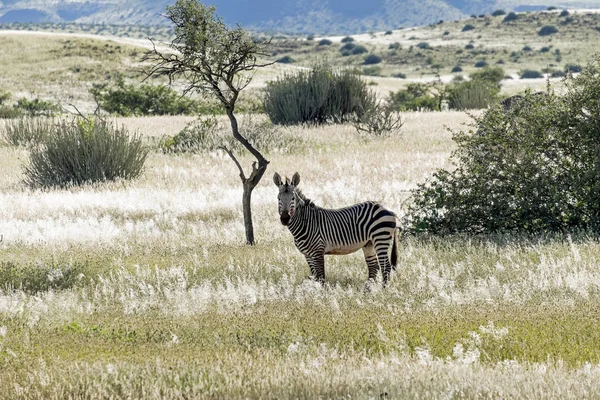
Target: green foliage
pixel 480 64
pixel 399 75
pixel 27 131
pixel 548 30
pixel 347 39
pixel 37 107
pixel 348 46
pixel 372 59
pixel 532 168
pixel 423 45
pixel 379 121
pixel 456 68
pixel 511 16
pixel 359 49
pixel 416 97
pixel 531 74
pixel 468 27
pixel 371 71
pixel 498 13
pixel 325 42
pixel 470 95
pixel 317 96
pixel 574 68
pixel 489 74
pixel 130 100
pixel 81 151
pixel 394 46
pixel 285 60
pixel 469 46
pixel 205 136
pixel 564 13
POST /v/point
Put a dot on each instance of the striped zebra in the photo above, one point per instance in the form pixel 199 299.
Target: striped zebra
pixel 319 231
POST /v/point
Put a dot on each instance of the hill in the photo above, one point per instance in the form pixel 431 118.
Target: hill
pixel 292 16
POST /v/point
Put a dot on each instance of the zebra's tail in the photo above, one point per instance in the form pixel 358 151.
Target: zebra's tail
pixel 395 249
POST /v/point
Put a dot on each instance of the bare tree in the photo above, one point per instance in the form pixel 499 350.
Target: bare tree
pixel 212 58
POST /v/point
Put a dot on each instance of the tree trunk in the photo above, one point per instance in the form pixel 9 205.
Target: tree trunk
pixel 247 206
pixel 250 182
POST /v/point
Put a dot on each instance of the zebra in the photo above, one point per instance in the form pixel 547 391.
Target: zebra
pixel 319 231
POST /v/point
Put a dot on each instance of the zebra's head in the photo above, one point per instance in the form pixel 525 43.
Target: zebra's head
pixel 288 197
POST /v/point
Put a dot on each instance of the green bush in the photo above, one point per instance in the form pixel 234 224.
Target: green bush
pixel 37 107
pixel 470 95
pixel 371 71
pixel 372 59
pixel 564 13
pixel 574 68
pixel 511 16
pixel 348 46
pixel 424 45
pixel 81 151
pixel 27 131
pixel 532 168
pixel 205 136
pixel 394 46
pixel 129 100
pixel 416 97
pixel 481 64
pixel 325 42
pixel 456 68
pixel 348 39
pixel 530 74
pixel 359 49
pixel 481 91
pixel 498 13
pixel 547 30
pixel 317 96
pixel 285 60
pixel 468 27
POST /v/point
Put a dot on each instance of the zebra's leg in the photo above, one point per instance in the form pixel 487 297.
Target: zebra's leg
pixel 372 265
pixel 382 248
pixel 316 263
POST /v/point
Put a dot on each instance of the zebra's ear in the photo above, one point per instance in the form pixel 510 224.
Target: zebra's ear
pixel 296 179
pixel 277 179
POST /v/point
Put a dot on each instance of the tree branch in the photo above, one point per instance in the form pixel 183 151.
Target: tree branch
pixel 237 163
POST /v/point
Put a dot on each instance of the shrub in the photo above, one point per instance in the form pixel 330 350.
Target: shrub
pixel 531 74
pixel 468 27
pixel 527 169
pixel 527 49
pixel 37 107
pixel 481 64
pixel 325 42
pixel 545 49
pixel 316 96
pixel 129 100
pixel 348 39
pixel 415 97
pixel 81 151
pixel 469 46
pixel 359 49
pixel 205 136
pixel 492 75
pixel 27 131
pixel 285 60
pixel 399 75
pixel 347 46
pixel 573 68
pixel 557 74
pixel 394 46
pixel 372 71
pixel 498 13
pixel 388 32
pixel 372 59
pixel 380 120
pixel 470 95
pixel 547 30
pixel 456 68
pixel 511 16
pixel 424 45
pixel 564 13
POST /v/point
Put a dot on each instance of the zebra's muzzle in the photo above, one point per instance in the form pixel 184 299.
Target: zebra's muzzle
pixel 285 219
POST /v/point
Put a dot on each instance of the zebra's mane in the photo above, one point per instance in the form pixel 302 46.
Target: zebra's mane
pixel 307 202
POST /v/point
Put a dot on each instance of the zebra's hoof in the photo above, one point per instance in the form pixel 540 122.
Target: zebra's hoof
pixel 369 285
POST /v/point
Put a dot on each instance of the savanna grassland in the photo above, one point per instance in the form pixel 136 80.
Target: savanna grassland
pixel 145 288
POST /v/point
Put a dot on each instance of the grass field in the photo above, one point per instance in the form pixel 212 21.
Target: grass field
pixel 145 289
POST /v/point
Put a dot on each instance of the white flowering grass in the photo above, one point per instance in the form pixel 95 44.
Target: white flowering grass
pixel 145 289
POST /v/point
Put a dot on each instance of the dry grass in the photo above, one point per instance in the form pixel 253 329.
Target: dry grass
pixel 145 289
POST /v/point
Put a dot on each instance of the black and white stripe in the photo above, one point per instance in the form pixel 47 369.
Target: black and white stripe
pixel 319 231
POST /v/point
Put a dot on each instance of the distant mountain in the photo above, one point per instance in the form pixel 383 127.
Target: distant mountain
pixel 275 16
